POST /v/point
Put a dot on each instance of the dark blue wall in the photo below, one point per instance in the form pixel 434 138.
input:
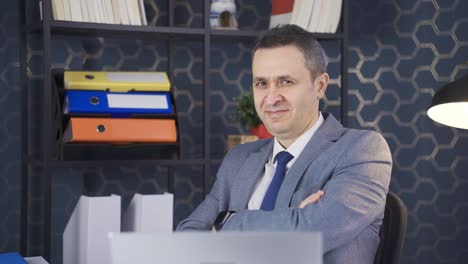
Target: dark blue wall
pixel 400 53
pixel 9 128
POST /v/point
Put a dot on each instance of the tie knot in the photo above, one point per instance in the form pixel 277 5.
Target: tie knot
pixel 283 158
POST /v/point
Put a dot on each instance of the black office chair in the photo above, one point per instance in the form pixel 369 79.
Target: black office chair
pixel 392 231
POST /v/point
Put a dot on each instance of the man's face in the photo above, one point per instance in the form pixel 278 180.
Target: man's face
pixel 286 98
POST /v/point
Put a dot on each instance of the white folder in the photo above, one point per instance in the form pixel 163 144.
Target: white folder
pixel 85 239
pixel 149 213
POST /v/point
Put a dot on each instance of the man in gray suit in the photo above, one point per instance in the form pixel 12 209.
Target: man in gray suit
pixel 315 175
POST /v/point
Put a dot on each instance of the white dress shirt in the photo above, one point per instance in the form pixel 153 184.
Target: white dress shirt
pixel 294 149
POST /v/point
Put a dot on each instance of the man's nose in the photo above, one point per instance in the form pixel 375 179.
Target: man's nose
pixel 273 97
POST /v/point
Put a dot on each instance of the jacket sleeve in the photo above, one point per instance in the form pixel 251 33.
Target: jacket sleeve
pixel 205 214
pixel 354 197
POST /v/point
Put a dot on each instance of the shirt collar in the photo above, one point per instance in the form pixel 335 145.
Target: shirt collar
pixel 299 144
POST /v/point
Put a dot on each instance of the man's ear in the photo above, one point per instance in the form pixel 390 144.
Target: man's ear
pixel 321 83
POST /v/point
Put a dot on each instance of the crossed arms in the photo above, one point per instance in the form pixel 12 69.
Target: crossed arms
pixel 354 198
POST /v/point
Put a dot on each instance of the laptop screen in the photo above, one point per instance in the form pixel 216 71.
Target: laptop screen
pixel 216 248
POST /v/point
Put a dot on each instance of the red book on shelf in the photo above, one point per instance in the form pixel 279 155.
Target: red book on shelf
pixel 281 11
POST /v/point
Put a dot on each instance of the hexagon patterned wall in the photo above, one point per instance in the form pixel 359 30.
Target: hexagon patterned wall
pixel 400 53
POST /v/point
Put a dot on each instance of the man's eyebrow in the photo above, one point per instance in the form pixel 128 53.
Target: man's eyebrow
pixel 259 79
pixel 281 77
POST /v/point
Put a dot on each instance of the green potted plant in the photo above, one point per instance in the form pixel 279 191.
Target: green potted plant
pixel 246 115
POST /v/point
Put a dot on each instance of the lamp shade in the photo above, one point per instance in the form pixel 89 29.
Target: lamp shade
pixel 450 104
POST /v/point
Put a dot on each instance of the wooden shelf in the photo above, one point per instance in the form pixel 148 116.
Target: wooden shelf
pixel 114 30
pixel 227 33
pixel 80 163
pixel 149 32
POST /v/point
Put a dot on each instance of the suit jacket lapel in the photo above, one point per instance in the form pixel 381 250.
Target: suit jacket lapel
pixel 330 131
pixel 249 175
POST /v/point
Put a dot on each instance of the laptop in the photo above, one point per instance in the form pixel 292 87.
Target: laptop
pixel 216 248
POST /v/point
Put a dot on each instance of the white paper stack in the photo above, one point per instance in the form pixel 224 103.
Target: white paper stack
pixel 36 260
pixel 149 213
pixel 85 239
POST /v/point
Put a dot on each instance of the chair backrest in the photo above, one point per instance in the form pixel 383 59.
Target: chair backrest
pixel 392 231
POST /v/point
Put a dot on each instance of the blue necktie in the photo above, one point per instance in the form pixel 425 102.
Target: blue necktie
pixel 269 200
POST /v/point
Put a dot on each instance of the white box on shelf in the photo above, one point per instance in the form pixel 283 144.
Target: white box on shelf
pixel 85 239
pixel 149 213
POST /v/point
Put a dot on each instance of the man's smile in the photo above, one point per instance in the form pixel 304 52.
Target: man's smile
pixel 276 114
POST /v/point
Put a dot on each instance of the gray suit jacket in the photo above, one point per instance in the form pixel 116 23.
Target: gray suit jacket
pixel 353 167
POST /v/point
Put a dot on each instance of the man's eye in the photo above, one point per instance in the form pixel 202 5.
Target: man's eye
pixel 260 84
pixel 286 82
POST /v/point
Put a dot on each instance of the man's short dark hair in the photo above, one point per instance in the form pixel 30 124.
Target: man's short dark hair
pixel 284 35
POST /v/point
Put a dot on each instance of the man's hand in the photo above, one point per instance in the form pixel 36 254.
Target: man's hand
pixel 312 198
